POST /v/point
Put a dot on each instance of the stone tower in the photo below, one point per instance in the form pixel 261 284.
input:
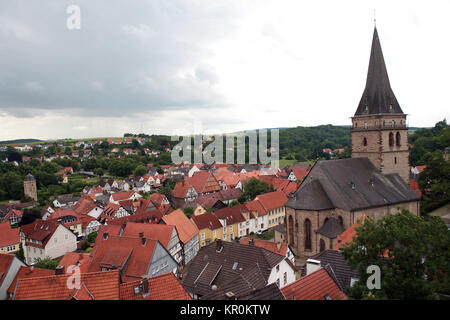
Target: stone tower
pixel 379 131
pixel 29 187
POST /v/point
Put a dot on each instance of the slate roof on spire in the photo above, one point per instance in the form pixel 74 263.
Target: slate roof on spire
pixel 378 97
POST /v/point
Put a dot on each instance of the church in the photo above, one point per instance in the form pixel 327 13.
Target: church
pixel 373 182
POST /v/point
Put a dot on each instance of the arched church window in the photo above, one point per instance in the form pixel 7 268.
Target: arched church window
pixel 391 139
pixel 341 221
pixel 365 141
pixel 322 245
pixel 291 230
pixel 397 139
pixel 307 234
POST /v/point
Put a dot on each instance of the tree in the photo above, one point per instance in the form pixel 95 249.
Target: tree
pixel 99 172
pixel 92 236
pixel 412 253
pixel 253 188
pixel 140 171
pixel 46 263
pixel 188 211
pixel 434 182
pixel 233 203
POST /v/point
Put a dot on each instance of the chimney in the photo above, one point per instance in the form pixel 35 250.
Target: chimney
pixel 145 287
pixel 59 270
pixel 105 236
pixel 312 265
pixel 219 245
pixel 144 241
pixel 251 242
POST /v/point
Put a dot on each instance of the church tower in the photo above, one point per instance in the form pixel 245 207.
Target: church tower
pixel 379 131
pixel 29 187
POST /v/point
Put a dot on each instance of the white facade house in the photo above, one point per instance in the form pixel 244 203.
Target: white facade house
pixel 43 239
pixel 282 274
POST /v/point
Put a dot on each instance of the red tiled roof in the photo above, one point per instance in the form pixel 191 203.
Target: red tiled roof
pixel 269 245
pixel 272 200
pixel 29 272
pixel 181 189
pixel 5 262
pixel 18 213
pixel 40 230
pixel 122 195
pixel 82 260
pixel 186 228
pixel 207 220
pixel 8 235
pixel 232 215
pixel 204 182
pixel 117 250
pixel 348 234
pixel 314 286
pixel 162 287
pixel 151 216
pixel 256 206
pixel 84 205
pixel 99 286
pixel 161 232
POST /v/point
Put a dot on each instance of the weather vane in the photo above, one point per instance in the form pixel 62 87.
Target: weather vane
pixel 375 17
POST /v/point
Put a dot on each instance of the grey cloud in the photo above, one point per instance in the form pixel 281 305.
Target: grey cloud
pixel 128 57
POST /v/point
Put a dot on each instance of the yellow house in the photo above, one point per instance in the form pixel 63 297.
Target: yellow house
pixel 273 203
pixel 199 210
pixel 210 228
pixel 9 238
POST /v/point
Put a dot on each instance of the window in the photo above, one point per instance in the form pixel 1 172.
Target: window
pixel 391 139
pixel 136 290
pixel 278 283
pixel 235 265
pixel 231 228
pixel 365 141
pixel 278 268
pixel 203 236
pixel 67 236
pixel 322 245
pixel 307 234
pixel 395 160
pixel 285 278
pixel 55 240
pixel 397 139
pixel 214 233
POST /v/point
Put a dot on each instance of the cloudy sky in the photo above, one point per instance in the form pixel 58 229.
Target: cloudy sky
pixel 212 66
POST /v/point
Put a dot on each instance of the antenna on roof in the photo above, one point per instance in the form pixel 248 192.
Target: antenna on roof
pixel 375 17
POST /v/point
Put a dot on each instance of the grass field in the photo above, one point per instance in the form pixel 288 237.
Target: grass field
pixel 285 163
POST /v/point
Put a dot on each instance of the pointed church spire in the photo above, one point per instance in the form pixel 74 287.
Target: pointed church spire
pixel 378 97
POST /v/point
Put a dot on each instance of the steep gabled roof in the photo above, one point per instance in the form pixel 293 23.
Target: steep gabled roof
pixel 186 228
pixel 29 272
pixel 207 221
pixel 351 184
pixel 40 230
pixel 5 262
pixel 163 287
pixel 128 254
pixel 269 245
pixel 378 97
pixel 8 235
pixel 340 267
pixel 161 232
pixel 314 286
pixel 272 200
pixel 221 262
pixel 94 286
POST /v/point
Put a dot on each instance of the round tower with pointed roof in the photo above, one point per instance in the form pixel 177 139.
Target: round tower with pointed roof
pixel 379 131
pixel 29 187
